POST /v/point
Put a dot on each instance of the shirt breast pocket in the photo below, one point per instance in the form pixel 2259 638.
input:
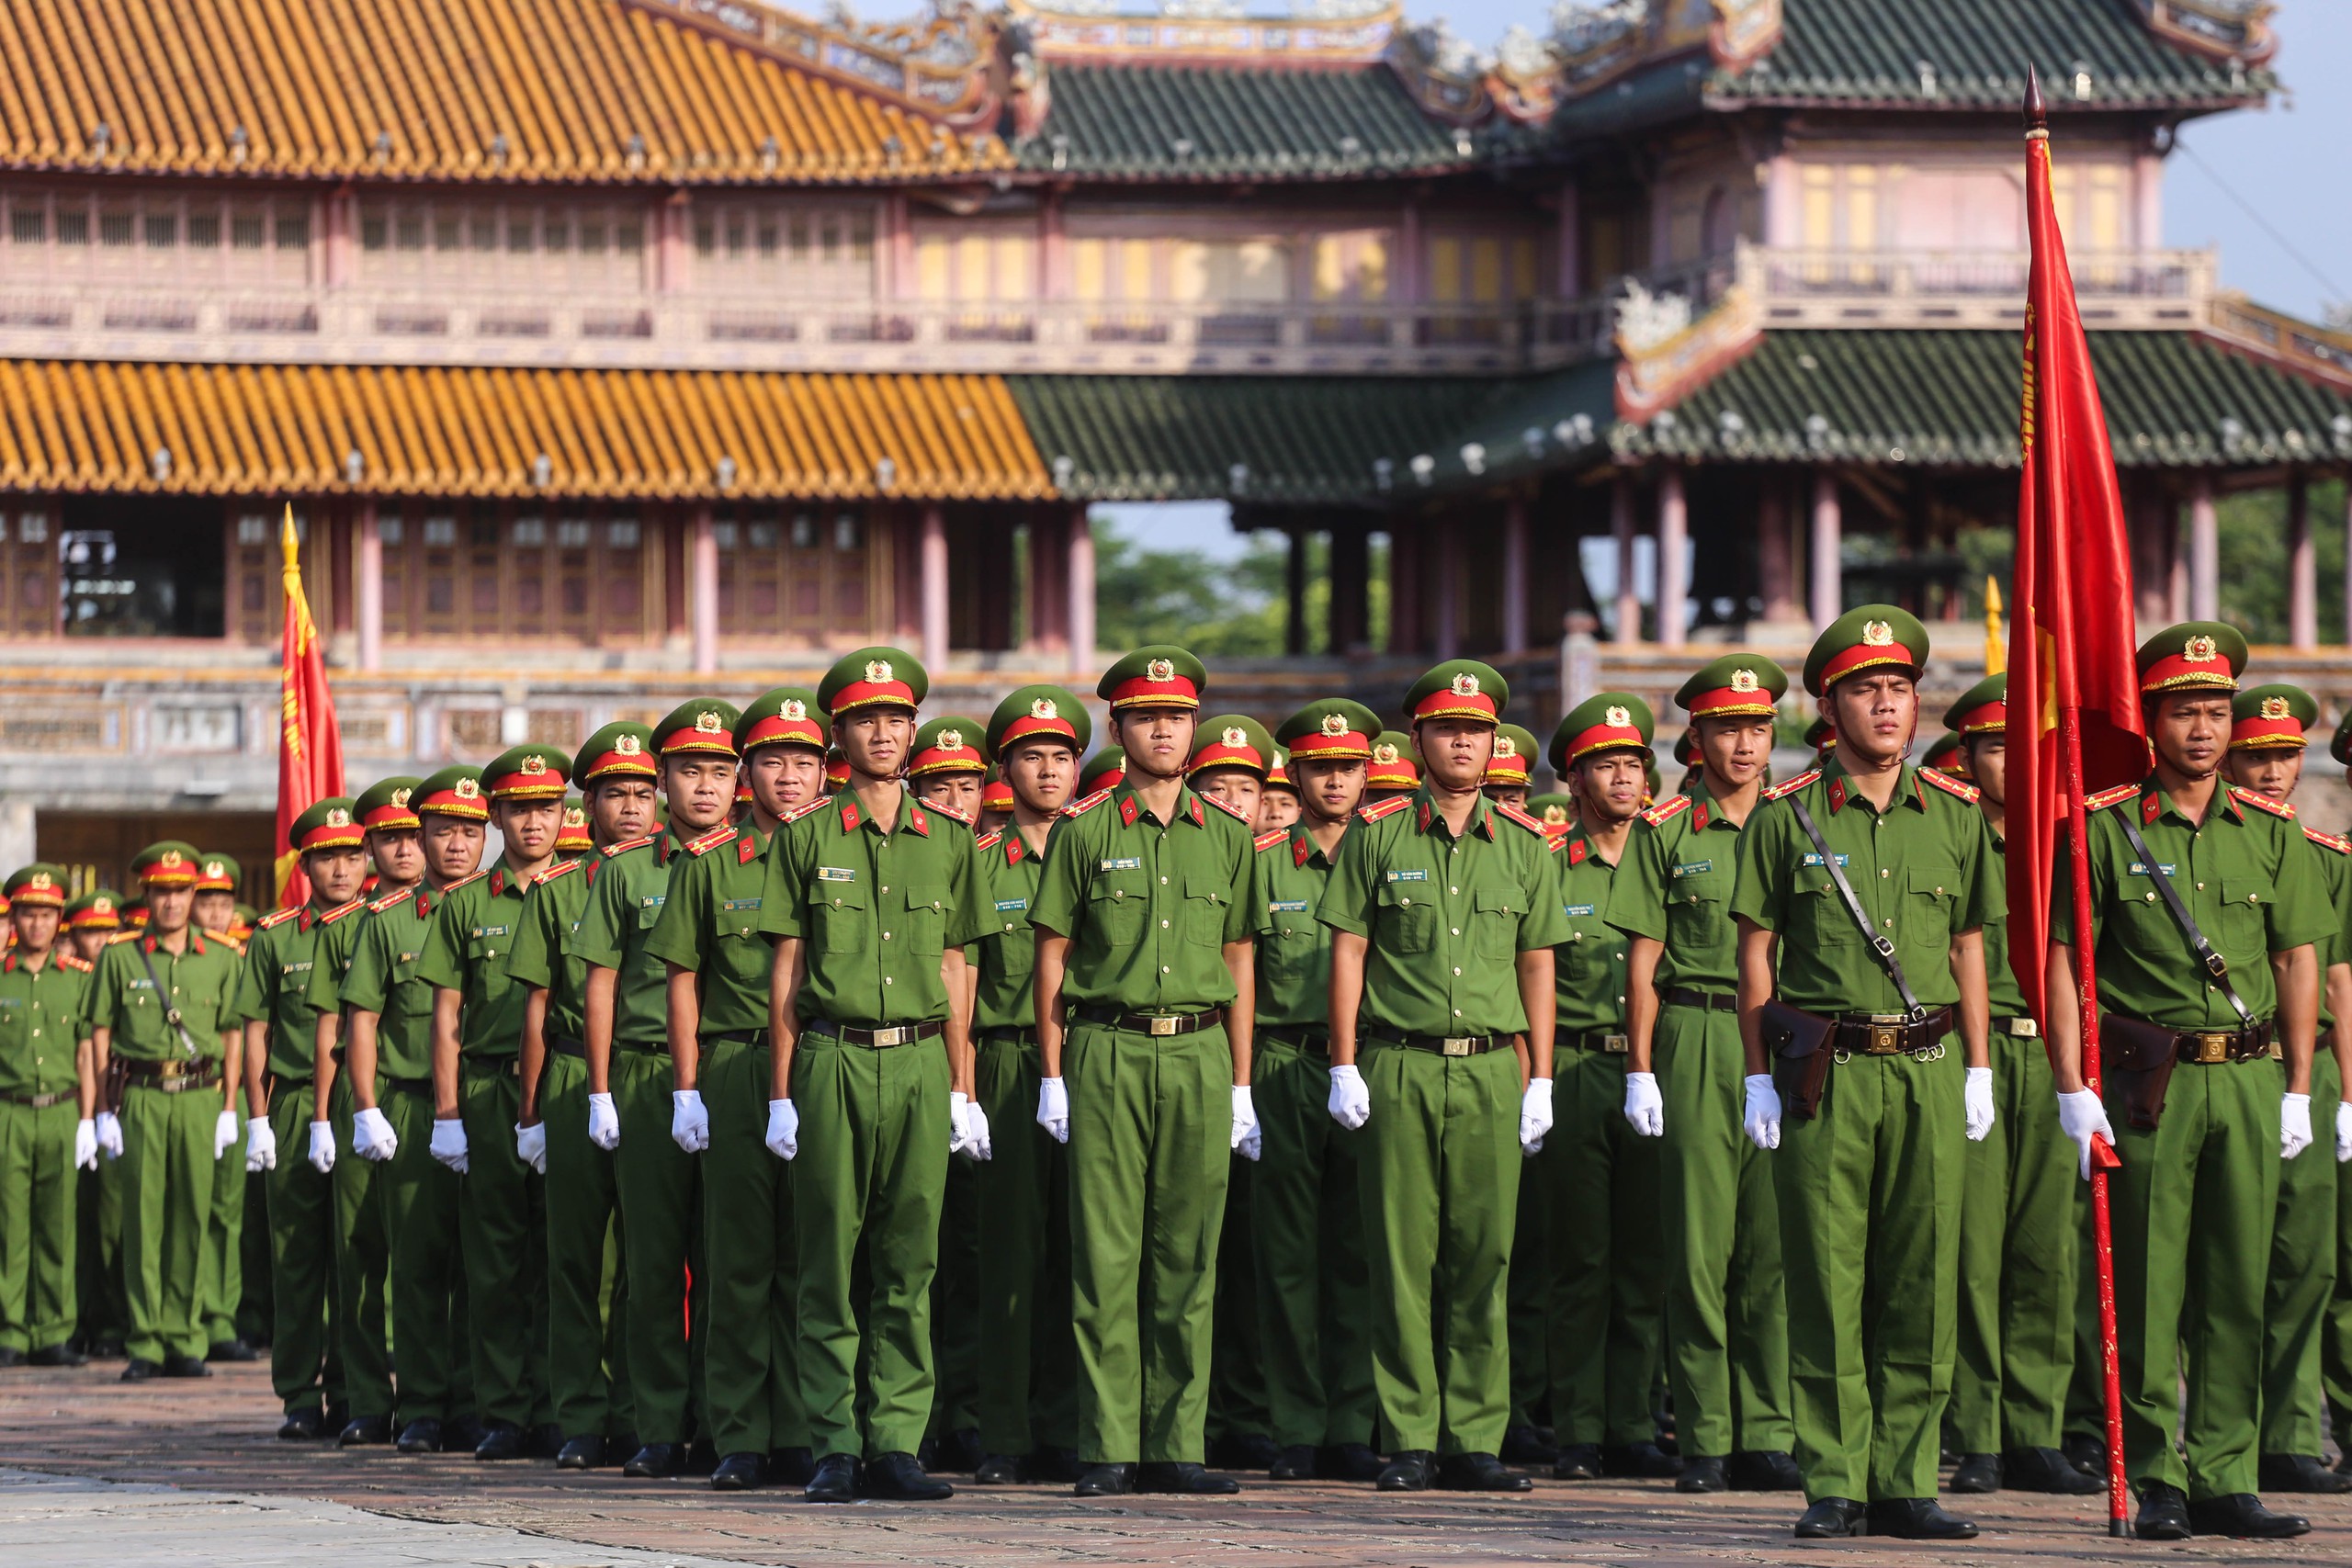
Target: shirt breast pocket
pixel 1288 952
pixel 1495 915
pixel 1822 917
pixel 926 917
pixel 1694 913
pixel 1408 920
pixel 1117 902
pixel 736 917
pixel 1927 915
pixel 842 917
pixel 2246 901
pixel 1206 900
pixel 1588 957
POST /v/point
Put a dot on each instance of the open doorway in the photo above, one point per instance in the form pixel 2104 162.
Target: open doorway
pixel 152 566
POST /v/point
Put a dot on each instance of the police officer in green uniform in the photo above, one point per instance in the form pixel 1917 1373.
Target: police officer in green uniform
pixel 719 964
pixel 1727 1323
pixel 634 1108
pixel 362 1249
pixel 1444 908
pixel 48 1122
pixel 165 1000
pixel 1872 1149
pixel 281 1030
pixel 1278 796
pixel 1102 771
pixel 588 1382
pixel 871 898
pixel 91 922
pixel 1146 997
pixel 2266 756
pixel 2017 1234
pixel 1603 1266
pixel 1530 1436
pixel 1314 1288
pixel 1028 1379
pixel 477 1101
pixel 1509 776
pixel 2335 1332
pixel 222 1276
pixel 1392 771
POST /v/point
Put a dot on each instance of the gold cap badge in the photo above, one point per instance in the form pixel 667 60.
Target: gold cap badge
pixel 102 907
pixel 792 708
pixel 1235 736
pixel 1160 670
pixel 1465 684
pixel 211 868
pixel 575 817
pixel 1878 634
pixel 535 763
pixel 1506 747
pixel 1618 718
pixel 1043 708
pixel 951 740
pixel 467 789
pixel 626 746
pixel 1384 754
pixel 400 797
pixel 1335 725
pixel 1744 681
pixel 878 669
pixel 169 857
pixel 338 817
pixel 2274 707
pixel 707 722
pixel 40 879
pixel 2201 650
pixel 1555 815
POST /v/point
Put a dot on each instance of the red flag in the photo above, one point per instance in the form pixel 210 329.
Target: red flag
pixel 310 744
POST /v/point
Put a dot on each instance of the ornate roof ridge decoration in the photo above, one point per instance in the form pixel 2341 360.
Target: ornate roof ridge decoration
pixel 945 67
pixel 1206 32
pixel 1665 352
pixel 2219 29
pixel 1591 45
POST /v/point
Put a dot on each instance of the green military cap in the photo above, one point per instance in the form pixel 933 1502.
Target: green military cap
pixel 1874 637
pixel 1557 812
pixel 1395 764
pixel 782 715
pixel 384 804
pixel 1652 782
pixel 1686 748
pixel 242 915
pixel 39 883
pixel 329 824
pixel 1161 675
pixel 1278 773
pixel 699 727
pixel 1983 709
pixel 949 745
pixel 624 748
pixel 1738 685
pixel 2276 715
pixel 527 773
pixel 1604 721
pixel 874 677
pixel 454 791
pixel 1332 730
pixel 1944 755
pixel 1102 771
pixel 217 873
pixel 1820 735
pixel 169 863
pixel 573 837
pixel 1231 740
pixel 2191 655
pixel 2341 747
pixel 1459 688
pixel 1514 756
pixel 100 909
pixel 836 770
pixel 1052 711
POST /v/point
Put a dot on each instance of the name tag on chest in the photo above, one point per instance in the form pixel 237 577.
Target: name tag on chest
pixel 489 931
pixel 1123 863
pixel 1011 905
pixel 742 903
pixel 1697 868
pixel 1408 876
pixel 2140 868
pixel 1286 905
pixel 1574 910
pixel 653 901
pixel 836 874
pixel 1816 860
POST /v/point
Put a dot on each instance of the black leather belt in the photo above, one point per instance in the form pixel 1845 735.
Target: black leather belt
pixel 2211 1047
pixel 408 1086
pixel 1156 1024
pixel 1888 1034
pixel 1611 1044
pixel 1707 1001
pixel 1008 1035
pixel 875 1039
pixel 739 1037
pixel 492 1066
pixel 1314 1044
pixel 40 1102
pixel 1445 1044
pixel 171 1077
pixel 575 1049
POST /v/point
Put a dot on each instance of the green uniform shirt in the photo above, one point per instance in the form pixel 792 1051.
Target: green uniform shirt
pixel 43 1021
pixel 627 890
pixel 1288 879
pixel 1446 917
pixel 1589 966
pixel 2247 877
pixel 280 962
pixel 332 960
pixel 1673 885
pixel 383 980
pixel 541 956
pixel 876 909
pixel 711 927
pixel 2001 985
pixel 1925 872
pixel 1006 953
pixel 1147 906
pixel 2335 876
pixel 201 982
pixel 475 924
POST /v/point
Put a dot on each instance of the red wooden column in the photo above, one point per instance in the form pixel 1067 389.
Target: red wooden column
pixel 2303 567
pixel 1080 583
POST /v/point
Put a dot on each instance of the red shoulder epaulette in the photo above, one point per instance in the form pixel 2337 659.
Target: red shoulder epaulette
pixel 558 869
pixel 1950 785
pixel 1079 807
pixel 1658 816
pixel 84 964
pixel 121 936
pixel 474 875
pixel 2108 797
pixel 331 916
pixel 808 808
pixel 1532 824
pixel 989 840
pixel 627 844
pixel 712 840
pixel 277 918
pixel 1227 806
pixel 2278 808
pixel 1270 837
pixel 950 813
pixel 1794 784
pixel 2341 846
pixel 1379 809
pixel 388 900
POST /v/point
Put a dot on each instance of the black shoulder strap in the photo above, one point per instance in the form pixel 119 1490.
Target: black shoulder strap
pixel 2215 965
pixel 1881 945
pixel 171 1013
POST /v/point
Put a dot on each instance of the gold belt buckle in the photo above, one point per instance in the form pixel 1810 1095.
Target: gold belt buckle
pixel 892 1036
pixel 1885 1038
pixel 1457 1045
pixel 2211 1050
pixel 1163 1027
pixel 1617 1044
pixel 2025 1029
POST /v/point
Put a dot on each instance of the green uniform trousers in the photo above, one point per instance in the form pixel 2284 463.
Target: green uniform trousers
pixel 257 1304
pixel 220 1268
pixel 1870 1230
pixel 502 1233
pixel 1314 1288
pixel 37 1224
pixel 2303 1277
pixel 1150 1149
pixel 1726 1314
pixel 661 1199
pixel 104 1313
pixel 2335 1335
pixel 1439 1189
pixel 166 1203
pixel 1606 1265
pixel 418 1198
pixel 305 1362
pixel 1237 1361
pixel 752 1370
pixel 1527 1307
pixel 1028 1379
pixel 587 1338
pixel 2191 1212
pixel 362 1255
pixel 2019 1271
pixel 956 1302
pixel 871 1175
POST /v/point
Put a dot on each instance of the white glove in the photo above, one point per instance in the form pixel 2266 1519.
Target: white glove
pixel 959 1123
pixel 2082 1117
pixel 604 1123
pixel 261 1144
pixel 1976 1103
pixel 372 1138
pixel 784 1129
pixel 449 1144
pixel 1052 1109
pixel 224 1133
pixel 1350 1101
pixel 1248 1139
pixel 1645 1106
pixel 2344 1132
pixel 85 1146
pixel 2294 1125
pixel 109 1131
pixel 1534 1115
pixel 980 1144
pixel 1762 1118
pixel 531 1145
pixel 322 1146
pixel 689 1121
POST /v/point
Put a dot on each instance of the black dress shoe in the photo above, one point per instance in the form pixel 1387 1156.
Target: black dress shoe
pixel 140 1369
pixel 1643 1460
pixel 1184 1478
pixel 2047 1470
pixel 1578 1461
pixel 303 1425
pixel 960 1451
pixel 2280 1472
pixel 899 1479
pixel 791 1467
pixel 1832 1518
pixel 2085 1454
pixel 655 1460
pixel 835 1480
pixel 231 1351
pixel 1052 1464
pixel 739 1472
pixel 361 1430
pixel 1348 1461
pixel 105 1349
pixel 996 1470
pixel 1762 1470
pixel 1918 1518
pixel 186 1367
pixel 422 1436
pixel 1701 1473
pixel 1296 1463
pixel 1976 1474
pixel 1479 1472
pixel 1527 1444
pixel 61 1354
pixel 499 1441
pixel 581 1453
pixel 2164 1513
pixel 2241 1514
pixel 1408 1470
pixel 1105 1481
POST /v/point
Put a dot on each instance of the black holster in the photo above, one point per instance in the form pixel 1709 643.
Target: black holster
pixel 1800 1041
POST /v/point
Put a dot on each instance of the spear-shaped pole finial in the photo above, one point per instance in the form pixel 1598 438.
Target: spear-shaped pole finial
pixel 2037 110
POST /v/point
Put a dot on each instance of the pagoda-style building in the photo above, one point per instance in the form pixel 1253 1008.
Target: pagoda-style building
pixel 604 348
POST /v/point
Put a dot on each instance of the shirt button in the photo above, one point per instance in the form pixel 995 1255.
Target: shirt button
pixel 1163 969
pixel 1402 901
pixel 1884 871
pixel 886 979
pixel 2200 887
pixel 1163 882
pixel 1888 924
pixel 886 936
pixel 1457 930
pixel 1457 1013
pixel 1457 891
pixel 1163 925
pixel 1457 969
